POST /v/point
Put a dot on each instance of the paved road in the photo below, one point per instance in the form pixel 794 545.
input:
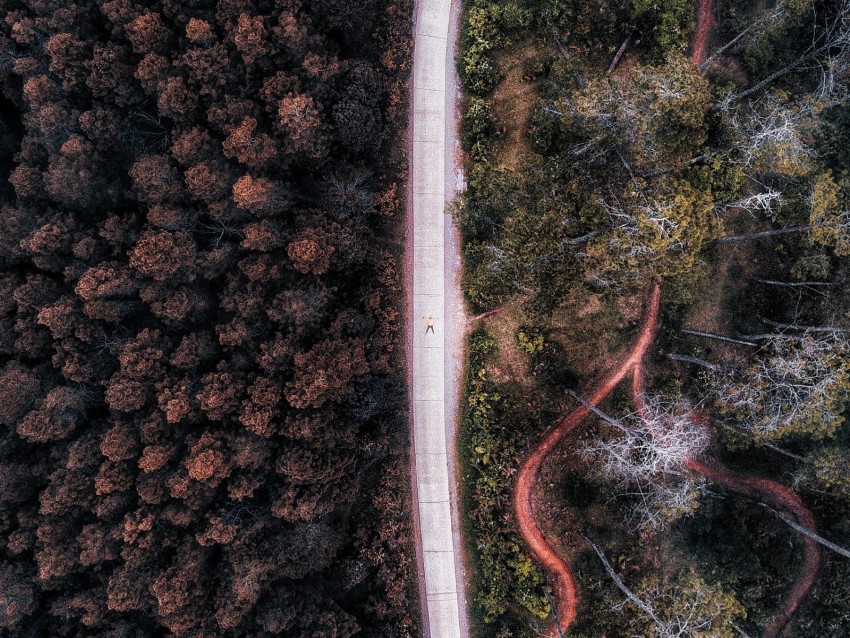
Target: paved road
pixel 434 383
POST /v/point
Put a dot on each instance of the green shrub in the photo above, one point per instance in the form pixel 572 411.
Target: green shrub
pixel 506 580
pixel 530 340
pixel 478 125
pixel 489 26
pixel 665 24
pixel 479 74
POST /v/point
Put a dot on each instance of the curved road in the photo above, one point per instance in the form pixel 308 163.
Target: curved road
pixel 434 367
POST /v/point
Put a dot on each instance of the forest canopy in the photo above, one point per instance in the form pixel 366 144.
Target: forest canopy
pixel 670 175
pixel 198 325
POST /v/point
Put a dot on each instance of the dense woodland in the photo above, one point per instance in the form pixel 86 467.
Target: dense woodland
pixel 592 174
pixel 203 422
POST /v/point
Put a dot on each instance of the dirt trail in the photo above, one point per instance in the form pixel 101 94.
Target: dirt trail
pixel 567 589
pixel 770 492
pixel 705 22
pixel 787 501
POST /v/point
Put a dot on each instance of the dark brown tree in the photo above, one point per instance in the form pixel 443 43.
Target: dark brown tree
pixel 191 317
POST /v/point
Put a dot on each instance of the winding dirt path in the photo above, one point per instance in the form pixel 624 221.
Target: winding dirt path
pixel 705 22
pixel 770 492
pixel 566 586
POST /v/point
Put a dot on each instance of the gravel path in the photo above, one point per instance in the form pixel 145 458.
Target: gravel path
pixel 435 353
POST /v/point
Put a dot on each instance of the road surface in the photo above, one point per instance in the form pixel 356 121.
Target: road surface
pixel 436 355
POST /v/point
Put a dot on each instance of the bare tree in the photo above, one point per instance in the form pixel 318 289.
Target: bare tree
pixel 763 203
pixel 799 385
pixel 768 138
pixel 828 50
pixel 646 458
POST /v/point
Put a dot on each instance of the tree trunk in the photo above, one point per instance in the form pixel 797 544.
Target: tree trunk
pixel 620 52
pixel 791 284
pixel 554 609
pixel 710 335
pixel 724 48
pixel 690 162
pixel 807 532
pixel 794 326
pixel 700 362
pixel 602 415
pixel 762 234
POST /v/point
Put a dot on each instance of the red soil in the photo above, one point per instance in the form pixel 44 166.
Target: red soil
pixel 771 492
pixel 705 21
pixel 567 589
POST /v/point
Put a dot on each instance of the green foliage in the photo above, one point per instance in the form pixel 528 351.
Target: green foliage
pixel 490 197
pixel 479 74
pixel 486 282
pixel 506 578
pixel 811 265
pixel 655 231
pixel 656 117
pixel 488 26
pixel 530 340
pixel 478 126
pixel 690 605
pixel 664 25
pixel 623 177
pixel 719 176
pixel 832 136
pixel 830 214
pixel 827 468
pixel 590 26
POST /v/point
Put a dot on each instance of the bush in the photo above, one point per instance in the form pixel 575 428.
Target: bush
pixel 488 27
pixel 665 24
pixel 506 580
pixel 530 340
pixel 478 125
pixel 479 74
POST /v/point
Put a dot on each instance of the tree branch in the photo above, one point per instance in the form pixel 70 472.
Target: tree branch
pixel 620 53
pixel 700 362
pixel 644 607
pixel 554 609
pixel 762 234
pixel 807 532
pixel 794 326
pixel 602 415
pixel 771 282
pixel 709 335
pixel 724 48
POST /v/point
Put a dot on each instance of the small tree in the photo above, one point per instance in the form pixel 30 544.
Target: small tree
pixel 693 608
pixel 687 608
pixel 829 215
pixel 654 230
pixel 655 118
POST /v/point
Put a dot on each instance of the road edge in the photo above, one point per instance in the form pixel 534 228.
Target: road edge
pixel 455 306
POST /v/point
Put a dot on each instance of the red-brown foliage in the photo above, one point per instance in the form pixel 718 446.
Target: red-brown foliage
pixel 193 315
